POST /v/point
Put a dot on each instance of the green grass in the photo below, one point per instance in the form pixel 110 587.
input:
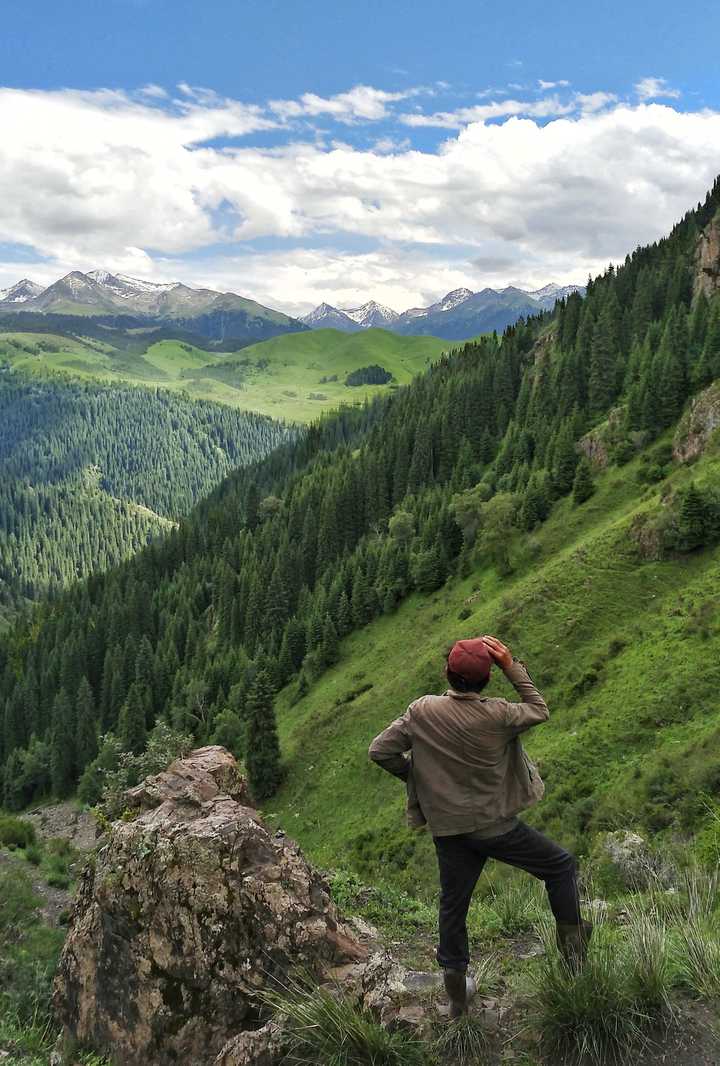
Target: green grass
pixel 281 377
pixel 613 643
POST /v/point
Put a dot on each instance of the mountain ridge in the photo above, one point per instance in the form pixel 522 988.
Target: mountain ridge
pixel 459 315
pixel 206 312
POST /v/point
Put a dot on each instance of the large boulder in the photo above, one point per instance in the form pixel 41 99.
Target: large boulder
pixel 188 910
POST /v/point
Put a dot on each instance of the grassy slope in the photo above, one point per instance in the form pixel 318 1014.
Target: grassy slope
pixel 579 598
pixel 279 377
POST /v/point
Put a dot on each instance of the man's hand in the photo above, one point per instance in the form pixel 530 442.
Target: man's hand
pixel 500 653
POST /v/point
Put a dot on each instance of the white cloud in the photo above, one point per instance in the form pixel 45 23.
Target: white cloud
pixel 544 85
pixel 105 179
pixel 654 89
pixel 361 103
pixel 463 116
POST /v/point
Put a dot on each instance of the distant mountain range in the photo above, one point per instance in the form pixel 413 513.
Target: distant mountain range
pixel 215 316
pixel 459 315
pixel 224 318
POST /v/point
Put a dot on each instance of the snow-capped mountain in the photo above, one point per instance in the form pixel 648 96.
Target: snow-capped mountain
pixel 460 314
pixel 448 303
pixel 372 314
pixel 217 316
pixel 20 292
pixel 325 316
pixel 550 293
pixel 351 319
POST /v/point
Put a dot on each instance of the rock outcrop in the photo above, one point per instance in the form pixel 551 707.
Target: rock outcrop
pixel 184 914
pixel 634 864
pixel 707 260
pixel 599 442
pixel 698 424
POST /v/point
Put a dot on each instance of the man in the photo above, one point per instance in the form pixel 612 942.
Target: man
pixel 468 778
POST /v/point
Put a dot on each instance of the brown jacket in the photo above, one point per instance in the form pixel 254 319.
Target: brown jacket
pixel 463 755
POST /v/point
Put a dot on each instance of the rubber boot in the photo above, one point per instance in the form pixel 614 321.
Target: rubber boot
pixel 572 942
pixel 460 988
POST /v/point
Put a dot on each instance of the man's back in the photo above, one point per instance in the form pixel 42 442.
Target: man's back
pixel 468 767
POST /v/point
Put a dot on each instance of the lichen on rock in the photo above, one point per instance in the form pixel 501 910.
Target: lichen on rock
pixel 187 910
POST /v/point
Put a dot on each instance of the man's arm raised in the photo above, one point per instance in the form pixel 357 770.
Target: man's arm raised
pixel 533 709
pixel 389 748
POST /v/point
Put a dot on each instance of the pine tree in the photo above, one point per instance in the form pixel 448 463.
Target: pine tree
pixel 583 485
pixel 692 522
pixel 62 746
pixel 86 729
pixel 263 749
pixel 132 730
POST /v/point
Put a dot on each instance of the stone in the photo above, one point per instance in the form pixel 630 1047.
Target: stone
pixel 698 424
pixel 637 868
pixel 597 444
pixel 183 915
pixel 257 1047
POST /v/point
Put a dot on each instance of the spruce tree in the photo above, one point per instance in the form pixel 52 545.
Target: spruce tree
pixel 62 746
pixel 263 749
pixel 132 730
pixel 583 485
pixel 86 729
pixel 692 522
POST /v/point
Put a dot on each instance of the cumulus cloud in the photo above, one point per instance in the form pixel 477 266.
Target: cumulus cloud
pixel 545 190
pixel 655 89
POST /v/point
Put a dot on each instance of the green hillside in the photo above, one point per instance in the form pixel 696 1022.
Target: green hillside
pixel 285 377
pixel 626 650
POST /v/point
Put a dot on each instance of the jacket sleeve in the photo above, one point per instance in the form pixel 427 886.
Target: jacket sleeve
pixel 390 749
pixel 532 710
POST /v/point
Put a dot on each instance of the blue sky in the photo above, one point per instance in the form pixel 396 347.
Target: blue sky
pixel 300 151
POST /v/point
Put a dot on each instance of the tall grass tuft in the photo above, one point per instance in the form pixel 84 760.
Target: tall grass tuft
pixel 517 905
pixel 699 951
pixel 602 1014
pixel 325 1028
pixel 464 1043
pixel 650 970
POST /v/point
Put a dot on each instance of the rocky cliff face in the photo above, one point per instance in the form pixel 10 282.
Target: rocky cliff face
pixel 187 910
pixel 699 423
pixel 707 260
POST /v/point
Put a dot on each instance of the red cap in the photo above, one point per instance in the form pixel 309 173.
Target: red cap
pixel 470 659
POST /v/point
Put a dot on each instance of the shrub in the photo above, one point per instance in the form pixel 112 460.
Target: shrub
pixel 16 832
pixel 33 854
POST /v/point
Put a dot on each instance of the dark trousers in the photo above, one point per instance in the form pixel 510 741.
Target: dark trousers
pixel 461 860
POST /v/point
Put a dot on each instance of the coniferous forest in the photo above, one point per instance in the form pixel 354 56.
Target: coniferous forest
pixel 288 555
pixel 91 473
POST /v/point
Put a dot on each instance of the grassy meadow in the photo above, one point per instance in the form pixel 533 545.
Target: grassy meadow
pixel 295 377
